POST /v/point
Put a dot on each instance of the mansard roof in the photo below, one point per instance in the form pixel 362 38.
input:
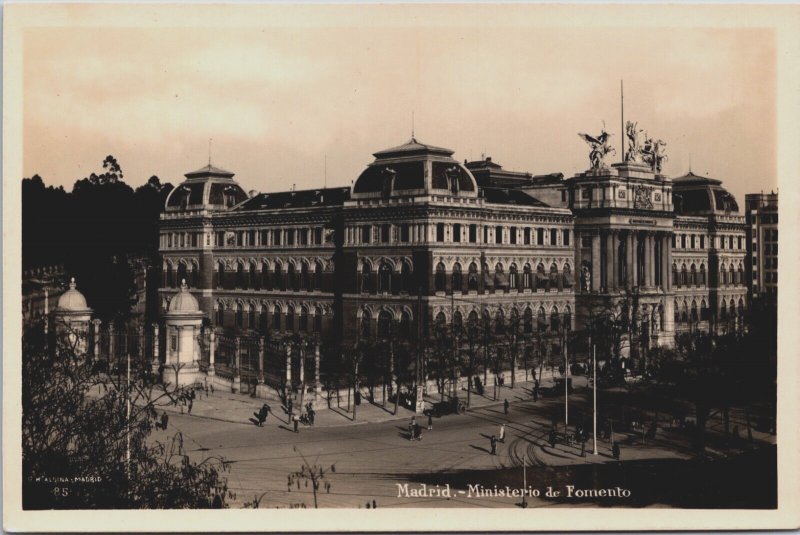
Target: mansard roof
pixel 296 199
pixel 511 196
pixel 412 147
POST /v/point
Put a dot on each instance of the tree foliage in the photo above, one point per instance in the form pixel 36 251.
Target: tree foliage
pixel 77 432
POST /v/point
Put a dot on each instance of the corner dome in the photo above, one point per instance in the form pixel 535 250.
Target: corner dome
pixel 208 188
pixel 695 194
pixel 72 300
pixel 414 168
pixel 184 302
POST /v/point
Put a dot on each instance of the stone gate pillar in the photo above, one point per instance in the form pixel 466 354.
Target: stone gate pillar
pixel 212 346
pixel 261 350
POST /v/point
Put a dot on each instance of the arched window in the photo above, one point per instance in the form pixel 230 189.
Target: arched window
pixel 675 280
pixel 239 315
pixel 195 276
pixel 555 320
pixel 318 276
pixel 684 277
pixel 318 320
pixel 405 277
pixel 472 277
pixel 276 318
pixel 693 275
pixel 456 278
pixel 303 327
pixel 366 319
pixel 499 321
pixel 458 323
pixel 170 279
pixel 553 275
pixel 741 308
pixel 440 278
pixel 181 274
pixel 262 317
pixel 405 324
pixel 731 275
pixel 472 321
pixel 541 320
pixel 305 278
pixel 722 274
pixel 723 311
pixel 512 277
pixel 240 282
pixel 220 274
pixel 291 272
pixel 685 313
pixel 740 275
pixel 694 317
pixel 384 278
pixel 541 276
pixel 677 311
pixel 567 275
pixel 527 276
pixel 498 276
pixel 220 314
pixel 251 317
pixel 290 317
pixel 567 319
pixel 365 273
pixel 384 324
pixel 277 277
pixel 265 282
pixel 703 310
pixel 440 322
pixel 527 320
pixel 702 274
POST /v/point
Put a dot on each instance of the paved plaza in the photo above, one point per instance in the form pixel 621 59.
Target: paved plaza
pixel 366 459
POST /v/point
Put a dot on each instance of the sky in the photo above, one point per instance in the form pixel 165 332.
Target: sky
pixel 307 105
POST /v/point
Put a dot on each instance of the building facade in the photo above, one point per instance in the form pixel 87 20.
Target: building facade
pixel 422 238
pixel 761 265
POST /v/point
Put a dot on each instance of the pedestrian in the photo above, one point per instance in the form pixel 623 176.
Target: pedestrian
pixel 211 386
pixel 615 451
pixel 493 442
pixel 430 421
pixel 411 431
pixel 311 414
pixel 296 422
pixel 503 433
pixel 535 394
pixel 191 402
pixel 505 406
pixel 374 504
pixel 164 420
pixel 583 448
pixel 289 406
pixel 552 438
pixel 417 432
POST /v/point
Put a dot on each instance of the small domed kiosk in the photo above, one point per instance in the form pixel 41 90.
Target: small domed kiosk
pixel 71 319
pixel 183 321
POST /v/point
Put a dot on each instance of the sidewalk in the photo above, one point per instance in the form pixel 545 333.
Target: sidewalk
pixel 239 408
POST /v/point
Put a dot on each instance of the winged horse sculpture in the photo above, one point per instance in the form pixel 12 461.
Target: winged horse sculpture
pixel 600 148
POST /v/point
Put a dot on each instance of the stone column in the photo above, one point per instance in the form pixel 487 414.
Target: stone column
pixel 237 377
pixel 261 350
pixel 96 349
pixel 578 260
pixel 289 370
pixel 212 345
pixel 666 258
pixel 317 381
pixel 302 376
pixel 629 259
pixel 646 260
pixel 595 262
pixel 156 362
pixel 651 242
pixel 610 239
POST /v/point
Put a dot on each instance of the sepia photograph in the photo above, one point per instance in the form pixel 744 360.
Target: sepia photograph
pixel 420 260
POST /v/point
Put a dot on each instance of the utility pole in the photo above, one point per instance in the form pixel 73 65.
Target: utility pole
pixel 566 383
pixel 622 119
pixel 594 396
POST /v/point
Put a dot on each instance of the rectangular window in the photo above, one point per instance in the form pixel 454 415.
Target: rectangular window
pixel 498 234
pixel 739 242
pixel 563 195
pixel 240 238
pixel 385 232
pixel 220 239
pixel 264 237
pixel 169 240
pixel 366 234
pixel 457 233
pixel 683 241
pixel 527 236
pixel 251 241
pixel 290 236
pixel 566 237
pixel 404 233
pixel 702 242
pixel 440 232
pixel 485 234
pixel 674 243
pixel 539 236
pixel 553 237
pixel 302 236
pixel 473 233
pixel 194 239
pixel 183 240
pixel 512 235
pixel 276 237
pixel 318 236
pixel 730 242
pixel 692 244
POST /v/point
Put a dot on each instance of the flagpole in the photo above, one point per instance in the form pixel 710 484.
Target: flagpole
pixel 622 119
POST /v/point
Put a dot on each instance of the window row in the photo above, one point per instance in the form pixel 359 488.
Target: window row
pixel 458 233
pixel 272 237
pixel 263 320
pixel 173 240
pixel 306 277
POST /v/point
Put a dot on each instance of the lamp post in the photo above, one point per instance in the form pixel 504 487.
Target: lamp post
pixel 566 383
pixel 594 398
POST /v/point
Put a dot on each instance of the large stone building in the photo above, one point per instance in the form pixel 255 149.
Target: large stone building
pixel 761 266
pixel 420 236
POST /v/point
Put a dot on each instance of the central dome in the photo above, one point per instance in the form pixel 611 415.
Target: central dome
pixel 414 168
pixel 72 300
pixel 184 301
pixel 208 188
